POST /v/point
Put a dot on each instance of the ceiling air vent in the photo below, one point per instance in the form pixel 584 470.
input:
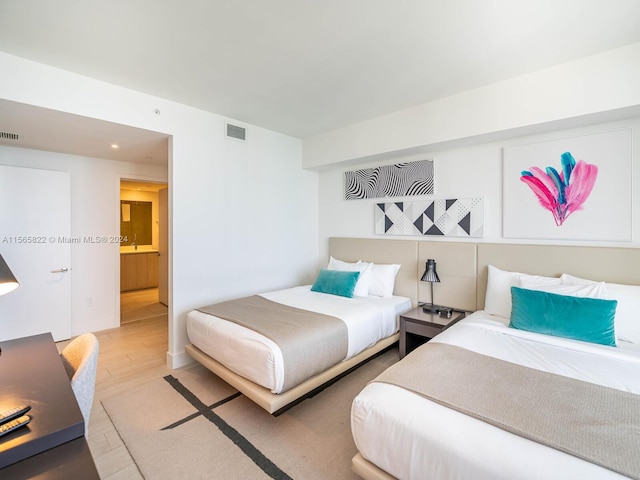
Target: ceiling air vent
pixel 9 136
pixel 234 131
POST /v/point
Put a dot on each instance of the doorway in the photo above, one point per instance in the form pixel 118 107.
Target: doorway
pixel 143 250
pixel 138 305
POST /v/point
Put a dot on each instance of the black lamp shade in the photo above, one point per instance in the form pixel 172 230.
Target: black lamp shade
pixel 8 282
pixel 430 274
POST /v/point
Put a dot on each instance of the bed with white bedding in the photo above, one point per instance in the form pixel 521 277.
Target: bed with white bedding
pixel 258 345
pixel 433 441
pixel 430 436
pixel 368 320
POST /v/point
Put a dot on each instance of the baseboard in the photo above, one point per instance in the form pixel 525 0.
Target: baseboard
pixel 178 360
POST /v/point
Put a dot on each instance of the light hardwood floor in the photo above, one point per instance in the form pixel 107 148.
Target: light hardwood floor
pixel 130 355
pixel 140 304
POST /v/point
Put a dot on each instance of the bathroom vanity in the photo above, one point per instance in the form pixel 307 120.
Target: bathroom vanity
pixel 138 269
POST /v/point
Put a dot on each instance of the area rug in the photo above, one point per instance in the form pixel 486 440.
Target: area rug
pixel 191 424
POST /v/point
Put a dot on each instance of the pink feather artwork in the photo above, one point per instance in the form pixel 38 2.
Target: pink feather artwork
pixel 564 192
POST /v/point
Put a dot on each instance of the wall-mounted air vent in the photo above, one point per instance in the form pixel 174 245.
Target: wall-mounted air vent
pixel 9 136
pixel 236 132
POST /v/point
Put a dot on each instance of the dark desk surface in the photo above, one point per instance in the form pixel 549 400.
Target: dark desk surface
pixel 69 460
pixel 32 373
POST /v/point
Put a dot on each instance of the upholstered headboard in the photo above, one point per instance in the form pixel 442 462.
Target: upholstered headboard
pixel 383 251
pixel 456 266
pixel 609 264
pixel 462 266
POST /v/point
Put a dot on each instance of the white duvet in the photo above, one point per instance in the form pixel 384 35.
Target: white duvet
pixel 411 437
pixel 257 358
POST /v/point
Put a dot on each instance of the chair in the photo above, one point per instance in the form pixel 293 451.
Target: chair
pixel 80 360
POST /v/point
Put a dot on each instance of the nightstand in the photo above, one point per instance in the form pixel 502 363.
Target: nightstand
pixel 417 327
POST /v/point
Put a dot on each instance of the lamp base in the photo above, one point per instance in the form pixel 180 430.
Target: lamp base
pixel 431 308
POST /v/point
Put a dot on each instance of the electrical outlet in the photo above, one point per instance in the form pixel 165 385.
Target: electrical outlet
pixel 89 301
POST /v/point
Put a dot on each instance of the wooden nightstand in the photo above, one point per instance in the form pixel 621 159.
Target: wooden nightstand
pixel 417 327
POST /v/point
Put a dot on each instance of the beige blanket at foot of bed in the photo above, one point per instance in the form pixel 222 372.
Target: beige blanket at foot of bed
pixel 310 342
pixel 592 422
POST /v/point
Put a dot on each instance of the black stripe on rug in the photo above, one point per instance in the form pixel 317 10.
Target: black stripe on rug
pixel 231 433
pixel 197 414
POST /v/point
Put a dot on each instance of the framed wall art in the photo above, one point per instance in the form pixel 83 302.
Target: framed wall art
pixel 451 217
pixel 576 188
pixel 402 179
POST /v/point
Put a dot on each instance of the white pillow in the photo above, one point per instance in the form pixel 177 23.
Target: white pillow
pixel 364 280
pixel 383 279
pixel 594 290
pixel 497 300
pixel 627 319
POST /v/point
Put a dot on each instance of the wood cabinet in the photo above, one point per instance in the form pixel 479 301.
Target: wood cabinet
pixel 138 271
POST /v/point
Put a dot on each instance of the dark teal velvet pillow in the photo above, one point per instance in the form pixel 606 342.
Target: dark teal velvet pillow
pixel 336 282
pixel 586 319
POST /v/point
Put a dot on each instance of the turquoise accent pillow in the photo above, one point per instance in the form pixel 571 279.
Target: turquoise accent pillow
pixel 578 318
pixel 336 282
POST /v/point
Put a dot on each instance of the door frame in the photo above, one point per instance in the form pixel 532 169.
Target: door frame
pixel 149 179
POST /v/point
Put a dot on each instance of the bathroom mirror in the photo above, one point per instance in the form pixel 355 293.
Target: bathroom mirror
pixel 135 222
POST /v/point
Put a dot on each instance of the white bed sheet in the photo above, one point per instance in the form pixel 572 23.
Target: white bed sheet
pixel 368 320
pixel 411 437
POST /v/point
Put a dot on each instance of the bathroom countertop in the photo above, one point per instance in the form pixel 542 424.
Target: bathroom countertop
pixel 130 250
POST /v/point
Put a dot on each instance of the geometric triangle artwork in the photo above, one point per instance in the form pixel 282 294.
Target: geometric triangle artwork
pixel 450 217
pixel 388 223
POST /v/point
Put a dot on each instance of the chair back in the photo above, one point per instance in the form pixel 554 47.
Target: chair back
pixel 80 359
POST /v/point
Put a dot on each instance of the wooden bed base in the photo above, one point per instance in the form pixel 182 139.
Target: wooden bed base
pixel 274 403
pixel 367 470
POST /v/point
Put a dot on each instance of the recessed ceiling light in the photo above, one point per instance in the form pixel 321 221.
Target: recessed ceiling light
pixel 115 146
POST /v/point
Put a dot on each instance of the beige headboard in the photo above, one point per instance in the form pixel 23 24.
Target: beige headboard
pixel 609 264
pixel 462 266
pixel 456 267
pixel 455 263
pixel 383 251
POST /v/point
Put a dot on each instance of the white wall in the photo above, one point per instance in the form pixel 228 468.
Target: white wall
pixel 95 203
pixel 465 133
pixel 243 216
pixel 564 96
pixel 462 172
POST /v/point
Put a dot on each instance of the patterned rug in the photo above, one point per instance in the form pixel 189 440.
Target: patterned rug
pixel 193 425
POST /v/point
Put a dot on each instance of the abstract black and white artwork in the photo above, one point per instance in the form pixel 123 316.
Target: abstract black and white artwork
pixel 451 217
pixel 402 179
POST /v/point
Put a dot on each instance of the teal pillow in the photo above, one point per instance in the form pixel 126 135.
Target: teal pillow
pixel 336 282
pixel 579 318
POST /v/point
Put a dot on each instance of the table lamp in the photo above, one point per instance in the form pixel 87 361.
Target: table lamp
pixel 430 275
pixel 8 282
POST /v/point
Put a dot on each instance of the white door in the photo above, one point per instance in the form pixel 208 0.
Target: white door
pixel 35 226
pixel 163 246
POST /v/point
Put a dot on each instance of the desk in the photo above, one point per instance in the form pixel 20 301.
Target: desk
pixel 32 373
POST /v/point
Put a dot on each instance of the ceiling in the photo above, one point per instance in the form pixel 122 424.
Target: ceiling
pixel 304 67
pixel 27 126
pixel 141 186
